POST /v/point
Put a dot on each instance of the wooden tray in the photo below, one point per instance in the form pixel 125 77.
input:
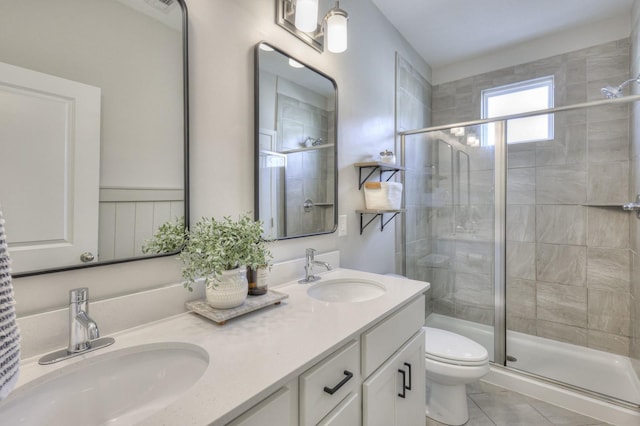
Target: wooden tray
pixel 252 303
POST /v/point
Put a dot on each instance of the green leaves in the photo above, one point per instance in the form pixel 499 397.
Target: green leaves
pixel 217 245
pixel 169 238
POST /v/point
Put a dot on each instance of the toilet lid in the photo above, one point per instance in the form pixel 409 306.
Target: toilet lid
pixel 442 345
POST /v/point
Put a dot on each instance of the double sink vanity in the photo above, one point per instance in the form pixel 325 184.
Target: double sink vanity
pixel 345 350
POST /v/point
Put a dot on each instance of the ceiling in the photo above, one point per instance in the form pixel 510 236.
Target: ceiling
pixel 448 31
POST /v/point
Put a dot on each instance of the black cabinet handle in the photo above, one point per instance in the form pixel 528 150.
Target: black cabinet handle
pixel 409 367
pixel 404 383
pixel 348 375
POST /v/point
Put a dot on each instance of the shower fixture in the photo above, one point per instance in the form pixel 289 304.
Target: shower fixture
pixel 611 92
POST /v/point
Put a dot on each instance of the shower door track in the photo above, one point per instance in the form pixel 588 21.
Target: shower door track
pixel 586 392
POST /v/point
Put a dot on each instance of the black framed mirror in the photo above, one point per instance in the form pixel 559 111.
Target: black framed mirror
pixel 296 119
pixel 94 140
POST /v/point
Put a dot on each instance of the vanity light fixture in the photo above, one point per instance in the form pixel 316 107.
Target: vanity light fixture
pixel 336 29
pixel 306 12
pixel 300 17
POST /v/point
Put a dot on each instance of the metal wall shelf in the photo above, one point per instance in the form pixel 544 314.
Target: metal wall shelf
pixel 381 168
pixel 376 166
pixel 376 213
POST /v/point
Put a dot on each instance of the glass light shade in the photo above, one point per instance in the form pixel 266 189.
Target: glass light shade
pixel 295 64
pixel 306 15
pixel 337 33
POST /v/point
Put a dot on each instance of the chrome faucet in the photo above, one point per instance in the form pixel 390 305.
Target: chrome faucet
pixel 83 331
pixel 308 267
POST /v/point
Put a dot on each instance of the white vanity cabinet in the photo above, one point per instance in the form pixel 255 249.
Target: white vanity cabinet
pixel 376 378
pixel 393 366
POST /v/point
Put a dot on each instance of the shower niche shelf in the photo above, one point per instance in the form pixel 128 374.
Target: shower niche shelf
pixel 369 169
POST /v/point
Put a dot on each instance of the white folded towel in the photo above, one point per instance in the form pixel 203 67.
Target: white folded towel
pixel 9 333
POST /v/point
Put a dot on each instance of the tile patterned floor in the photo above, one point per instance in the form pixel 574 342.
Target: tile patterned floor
pixel 494 406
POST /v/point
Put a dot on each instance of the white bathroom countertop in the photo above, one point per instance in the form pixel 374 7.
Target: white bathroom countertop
pixel 251 356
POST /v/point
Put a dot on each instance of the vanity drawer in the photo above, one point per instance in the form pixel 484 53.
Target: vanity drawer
pixel 326 384
pixel 380 342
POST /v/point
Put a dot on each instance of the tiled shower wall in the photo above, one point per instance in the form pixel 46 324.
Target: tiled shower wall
pixel 634 347
pixel 568 264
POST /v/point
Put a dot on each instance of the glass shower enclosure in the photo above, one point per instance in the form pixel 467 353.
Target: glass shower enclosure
pixel 527 246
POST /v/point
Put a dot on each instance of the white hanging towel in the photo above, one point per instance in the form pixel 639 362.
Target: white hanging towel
pixel 9 333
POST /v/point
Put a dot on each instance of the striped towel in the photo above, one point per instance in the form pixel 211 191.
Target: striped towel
pixel 9 333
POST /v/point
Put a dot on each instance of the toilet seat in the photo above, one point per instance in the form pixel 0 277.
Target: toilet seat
pixel 451 348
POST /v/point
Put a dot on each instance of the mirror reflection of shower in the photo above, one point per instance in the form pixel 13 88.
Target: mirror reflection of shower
pixel 611 92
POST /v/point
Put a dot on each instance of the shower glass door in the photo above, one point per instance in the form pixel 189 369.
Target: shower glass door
pixel 450 228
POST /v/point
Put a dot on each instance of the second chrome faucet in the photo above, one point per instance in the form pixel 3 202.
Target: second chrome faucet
pixel 308 267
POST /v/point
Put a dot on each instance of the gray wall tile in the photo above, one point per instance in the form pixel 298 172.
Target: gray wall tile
pixel 562 332
pixel 521 260
pixel 607 227
pixel 561 224
pixel 608 183
pixel 563 304
pixel 521 222
pixel 608 269
pixel 562 264
pixel 608 342
pixel 609 311
pixel 561 184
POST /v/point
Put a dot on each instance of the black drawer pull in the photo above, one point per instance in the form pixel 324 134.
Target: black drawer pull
pixel 404 384
pixel 348 375
pixel 409 367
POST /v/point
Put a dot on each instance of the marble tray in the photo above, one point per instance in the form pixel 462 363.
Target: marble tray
pixel 252 303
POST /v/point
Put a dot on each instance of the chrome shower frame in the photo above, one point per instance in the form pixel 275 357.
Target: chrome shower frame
pixel 500 205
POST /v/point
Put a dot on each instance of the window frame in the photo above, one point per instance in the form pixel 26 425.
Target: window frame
pixel 544 82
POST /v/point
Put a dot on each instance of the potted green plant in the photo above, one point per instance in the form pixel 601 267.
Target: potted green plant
pixel 169 238
pixel 218 250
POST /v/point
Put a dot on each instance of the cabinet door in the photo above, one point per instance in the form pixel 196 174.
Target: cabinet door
pixel 275 410
pixel 347 413
pixel 395 393
pixel 379 396
pixel 410 410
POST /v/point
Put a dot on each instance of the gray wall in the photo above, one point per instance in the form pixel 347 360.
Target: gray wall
pixel 568 258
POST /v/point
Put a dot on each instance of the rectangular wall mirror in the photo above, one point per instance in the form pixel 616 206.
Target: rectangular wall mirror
pixel 296 122
pixel 93 128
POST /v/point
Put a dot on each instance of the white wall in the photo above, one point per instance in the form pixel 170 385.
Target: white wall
pixel 222 35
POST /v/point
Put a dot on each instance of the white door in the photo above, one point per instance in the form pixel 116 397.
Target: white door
pixel 50 207
pixel 271 163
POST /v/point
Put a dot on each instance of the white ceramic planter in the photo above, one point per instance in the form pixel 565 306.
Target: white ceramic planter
pixel 230 289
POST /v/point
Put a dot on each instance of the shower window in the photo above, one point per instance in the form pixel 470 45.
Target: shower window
pixel 516 98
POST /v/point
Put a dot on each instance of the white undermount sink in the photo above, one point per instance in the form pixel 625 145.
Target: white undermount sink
pixel 346 290
pixel 116 388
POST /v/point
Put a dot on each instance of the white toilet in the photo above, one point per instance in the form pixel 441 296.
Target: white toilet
pixel 451 361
